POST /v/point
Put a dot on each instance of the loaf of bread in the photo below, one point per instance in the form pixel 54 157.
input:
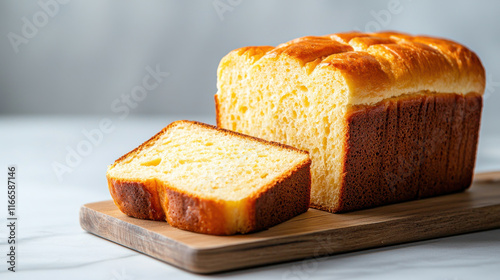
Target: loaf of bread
pixel 211 180
pixel 386 117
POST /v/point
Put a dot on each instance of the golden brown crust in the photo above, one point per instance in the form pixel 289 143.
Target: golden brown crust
pixel 307 49
pixel 281 200
pixel 196 214
pixel 381 65
pixel 137 199
pixel 407 148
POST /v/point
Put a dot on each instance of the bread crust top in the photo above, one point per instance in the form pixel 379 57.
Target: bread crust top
pixel 374 66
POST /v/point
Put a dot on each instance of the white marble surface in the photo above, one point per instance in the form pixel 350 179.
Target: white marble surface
pixel 53 246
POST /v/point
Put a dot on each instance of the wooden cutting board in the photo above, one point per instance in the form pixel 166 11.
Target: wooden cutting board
pixel 310 235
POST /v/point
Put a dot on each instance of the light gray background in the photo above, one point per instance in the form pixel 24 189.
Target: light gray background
pixel 92 52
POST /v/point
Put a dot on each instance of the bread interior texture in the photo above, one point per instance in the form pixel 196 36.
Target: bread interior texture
pixel 207 163
pixel 289 108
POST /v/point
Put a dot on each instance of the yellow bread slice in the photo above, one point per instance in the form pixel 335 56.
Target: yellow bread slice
pixel 211 180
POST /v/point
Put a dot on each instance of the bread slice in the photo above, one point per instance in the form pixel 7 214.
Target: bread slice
pixel 210 180
pixel 386 117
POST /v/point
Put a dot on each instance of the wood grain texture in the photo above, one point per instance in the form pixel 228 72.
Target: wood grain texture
pixel 487 177
pixel 313 234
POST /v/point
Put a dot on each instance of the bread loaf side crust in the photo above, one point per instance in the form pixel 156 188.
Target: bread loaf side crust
pixel 188 212
pixel 288 197
pixel 409 148
pixel 137 199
